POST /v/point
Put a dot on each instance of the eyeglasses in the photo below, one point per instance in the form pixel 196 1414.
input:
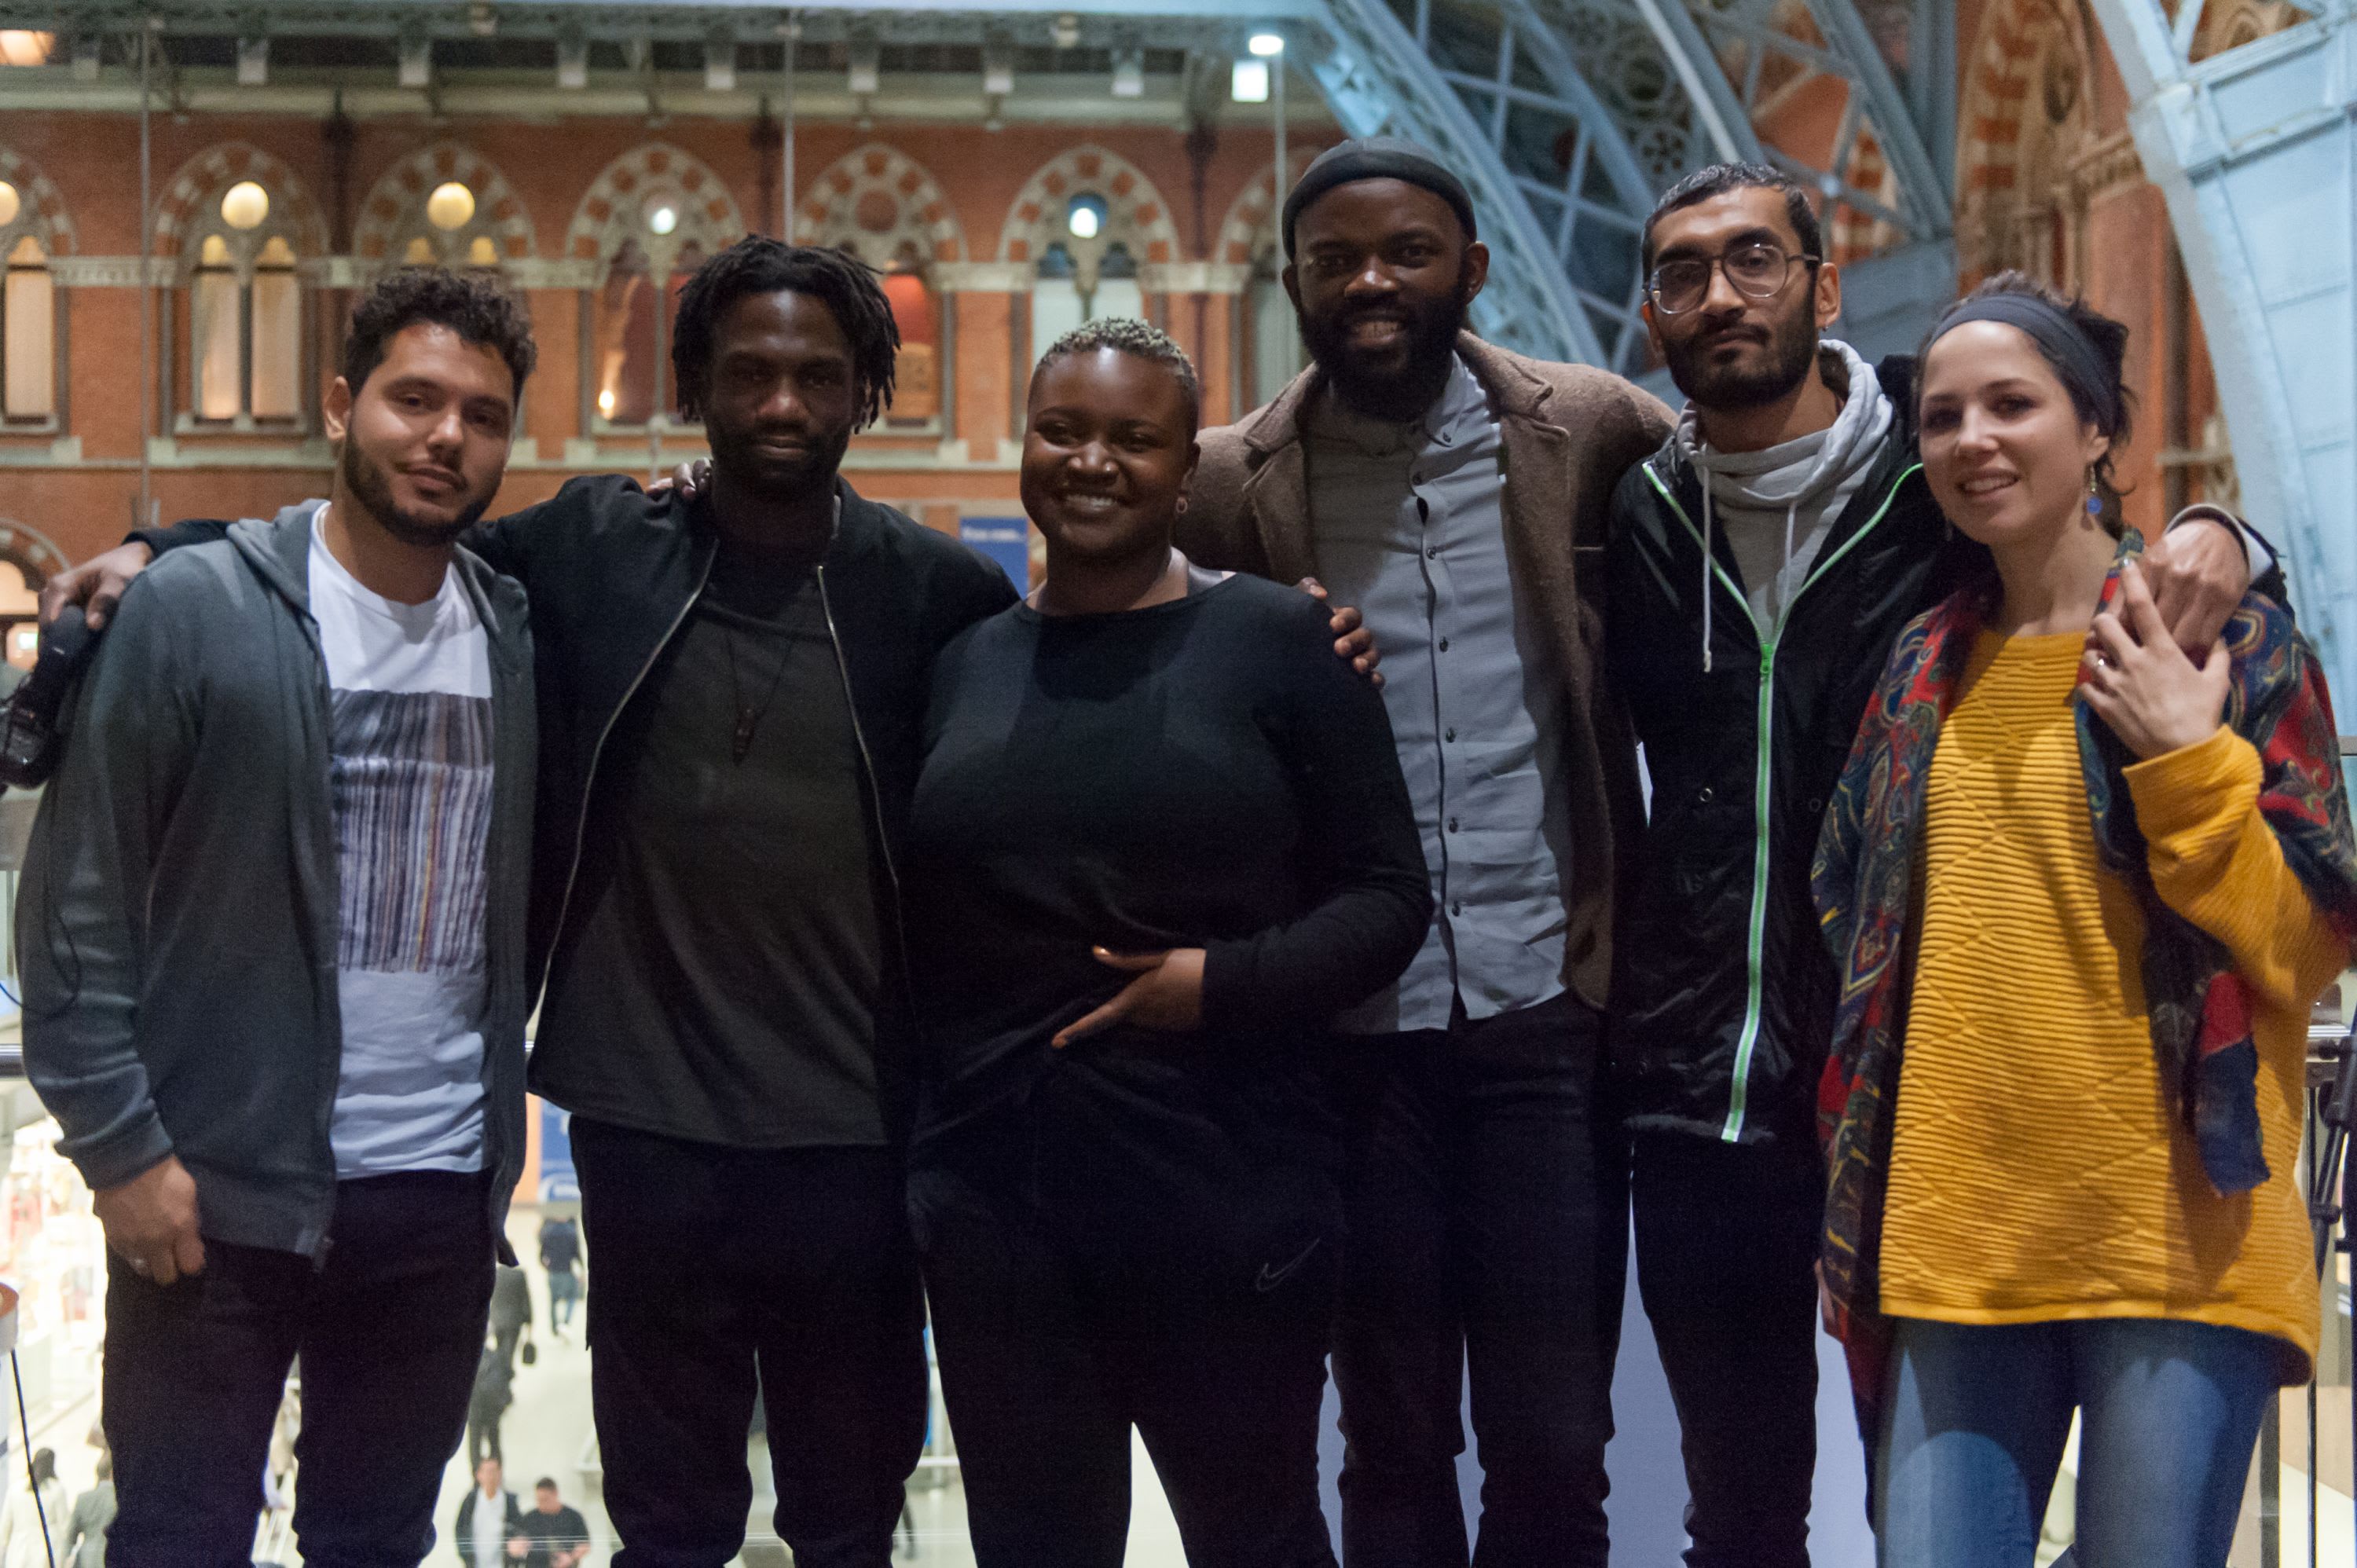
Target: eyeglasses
pixel 1757 271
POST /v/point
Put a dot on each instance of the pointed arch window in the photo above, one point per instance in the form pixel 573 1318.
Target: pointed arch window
pixel 245 310
pixel 28 317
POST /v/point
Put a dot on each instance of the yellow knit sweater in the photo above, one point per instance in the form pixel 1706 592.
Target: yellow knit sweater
pixel 2037 1171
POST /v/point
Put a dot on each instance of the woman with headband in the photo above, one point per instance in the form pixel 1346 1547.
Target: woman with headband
pixel 2082 889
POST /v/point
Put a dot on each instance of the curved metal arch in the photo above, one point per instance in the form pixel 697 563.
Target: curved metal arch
pixel 2255 150
pixel 1377 79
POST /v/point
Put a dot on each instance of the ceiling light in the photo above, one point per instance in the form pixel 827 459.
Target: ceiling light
pixel 572 61
pixel 481 20
pixel 866 65
pixel 1267 45
pixel 86 58
pixel 450 206
pixel 244 205
pixel 1085 215
pixel 1129 74
pixel 997 69
pixel 720 62
pixel 252 62
pixel 9 204
pixel 1249 81
pixel 416 60
pixel 1066 32
pixel 18 47
pixel 662 217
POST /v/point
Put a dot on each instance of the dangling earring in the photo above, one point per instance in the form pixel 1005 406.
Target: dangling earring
pixel 1182 506
pixel 2095 501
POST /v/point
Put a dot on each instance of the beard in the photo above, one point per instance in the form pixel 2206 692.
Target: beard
pixel 372 487
pixel 1791 355
pixel 735 451
pixel 1386 387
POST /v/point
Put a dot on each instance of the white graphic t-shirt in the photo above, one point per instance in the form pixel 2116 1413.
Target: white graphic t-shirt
pixel 410 686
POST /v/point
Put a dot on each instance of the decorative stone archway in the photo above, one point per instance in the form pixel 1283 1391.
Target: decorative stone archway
pixel 42 208
pixel 395 208
pixel 1136 213
pixel 201 181
pixel 884 206
pixel 707 209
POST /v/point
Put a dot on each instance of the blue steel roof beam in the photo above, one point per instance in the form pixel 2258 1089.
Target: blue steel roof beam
pixel 1713 96
pixel 2255 150
pixel 1377 78
pixel 1925 201
pixel 1921 188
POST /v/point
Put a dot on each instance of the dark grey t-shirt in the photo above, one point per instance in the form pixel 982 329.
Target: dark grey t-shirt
pixel 722 962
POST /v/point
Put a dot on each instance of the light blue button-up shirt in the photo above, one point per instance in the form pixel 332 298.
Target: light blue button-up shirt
pixel 1410 526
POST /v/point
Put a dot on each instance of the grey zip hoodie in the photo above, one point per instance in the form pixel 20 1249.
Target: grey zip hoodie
pixel 1776 506
pixel 176 927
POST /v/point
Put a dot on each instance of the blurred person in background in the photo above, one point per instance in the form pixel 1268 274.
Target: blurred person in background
pixel 559 1534
pixel 560 1254
pixel 33 1521
pixel 93 1514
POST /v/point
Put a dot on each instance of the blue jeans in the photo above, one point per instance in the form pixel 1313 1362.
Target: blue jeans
pixel 1977 1419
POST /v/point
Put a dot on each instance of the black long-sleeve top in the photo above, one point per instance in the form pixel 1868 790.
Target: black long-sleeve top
pixel 1201 773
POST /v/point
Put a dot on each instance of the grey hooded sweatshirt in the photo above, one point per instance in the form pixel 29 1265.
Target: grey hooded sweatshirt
pixel 176 927
pixel 1776 506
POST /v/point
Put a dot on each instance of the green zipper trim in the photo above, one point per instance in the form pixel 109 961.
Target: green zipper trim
pixel 1755 940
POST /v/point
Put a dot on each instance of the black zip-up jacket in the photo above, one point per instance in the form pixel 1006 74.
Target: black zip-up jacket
pixel 611 574
pixel 1722 989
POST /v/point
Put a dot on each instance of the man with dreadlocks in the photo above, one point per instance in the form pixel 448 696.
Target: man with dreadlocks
pixel 730 691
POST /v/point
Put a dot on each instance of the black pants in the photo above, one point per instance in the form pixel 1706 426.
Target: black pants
pixel 1726 1241
pixel 390 1332
pixel 1488 1234
pixel 1140 1244
pixel 718 1266
pixel 483 1434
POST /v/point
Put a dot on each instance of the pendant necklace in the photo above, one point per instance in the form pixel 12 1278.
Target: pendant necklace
pixel 749 717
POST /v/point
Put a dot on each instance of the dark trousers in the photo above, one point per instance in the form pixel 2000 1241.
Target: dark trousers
pixel 1726 1243
pixel 1135 1249
pixel 1488 1236
pixel 483 1434
pixel 724 1273
pixel 390 1332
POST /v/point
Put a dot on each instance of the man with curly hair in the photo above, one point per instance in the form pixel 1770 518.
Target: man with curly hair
pixel 273 959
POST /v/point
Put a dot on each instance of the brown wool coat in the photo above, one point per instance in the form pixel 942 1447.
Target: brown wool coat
pixel 1569 433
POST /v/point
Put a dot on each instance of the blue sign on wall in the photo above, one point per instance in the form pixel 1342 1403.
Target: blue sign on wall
pixel 1005 540
pixel 558 1184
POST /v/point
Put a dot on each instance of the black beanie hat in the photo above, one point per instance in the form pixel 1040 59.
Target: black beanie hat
pixel 1376 158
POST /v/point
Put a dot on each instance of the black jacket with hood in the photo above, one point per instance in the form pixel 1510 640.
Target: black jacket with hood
pixel 612 573
pixel 1722 990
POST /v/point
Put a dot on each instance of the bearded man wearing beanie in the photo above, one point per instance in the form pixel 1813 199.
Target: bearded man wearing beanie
pixel 1457 495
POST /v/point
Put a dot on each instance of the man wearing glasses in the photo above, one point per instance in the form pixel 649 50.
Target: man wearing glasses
pixel 1758 568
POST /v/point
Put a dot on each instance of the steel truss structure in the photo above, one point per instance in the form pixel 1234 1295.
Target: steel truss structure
pixel 1566 117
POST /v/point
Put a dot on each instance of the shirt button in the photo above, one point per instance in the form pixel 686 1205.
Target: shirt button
pixel 1456 907
pixel 1452 824
pixel 1432 551
pixel 1705 795
pixel 1449 733
pixel 1444 645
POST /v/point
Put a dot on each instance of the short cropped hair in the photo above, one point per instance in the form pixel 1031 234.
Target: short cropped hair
pixel 1717 179
pixel 1140 339
pixel 474 305
pixel 758 264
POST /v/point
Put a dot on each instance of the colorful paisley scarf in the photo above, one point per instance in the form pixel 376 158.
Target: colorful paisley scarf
pixel 1864 878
